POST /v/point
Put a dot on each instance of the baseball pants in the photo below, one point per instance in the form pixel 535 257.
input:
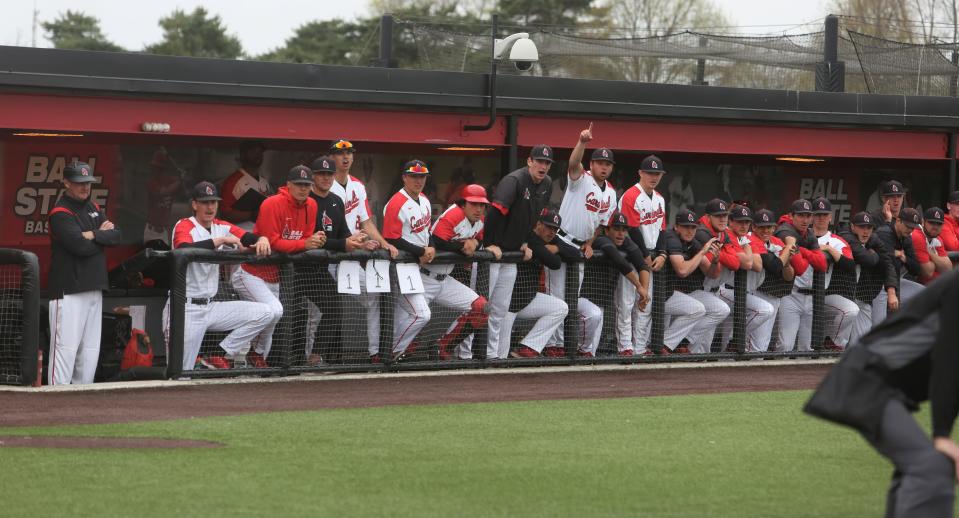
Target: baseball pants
pixel 76 322
pixel 907 290
pixel 245 320
pixel 413 310
pixel 841 316
pixel 760 317
pixel 590 315
pixel 863 321
pixel 795 322
pixel 322 315
pixel 775 302
pixel 252 288
pixel 549 313
pixel 502 276
pixel 370 301
pixel 632 324
pixel 704 329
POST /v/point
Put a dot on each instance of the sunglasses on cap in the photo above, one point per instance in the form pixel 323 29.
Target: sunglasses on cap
pixel 343 144
pixel 417 169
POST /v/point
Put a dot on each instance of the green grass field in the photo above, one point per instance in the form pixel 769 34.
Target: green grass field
pixel 751 454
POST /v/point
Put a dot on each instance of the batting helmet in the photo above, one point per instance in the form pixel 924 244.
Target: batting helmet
pixel 474 193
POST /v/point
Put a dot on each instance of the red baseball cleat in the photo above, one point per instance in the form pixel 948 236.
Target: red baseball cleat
pixel 554 352
pixel 626 352
pixel 523 352
pixel 587 354
pixel 256 360
pixel 215 362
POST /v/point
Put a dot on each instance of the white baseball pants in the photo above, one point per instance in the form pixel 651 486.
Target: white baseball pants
pixel 775 302
pixel 701 336
pixel 252 288
pixel 863 322
pixel 632 324
pixel 413 310
pixel 760 317
pixel 841 316
pixel 795 322
pixel 76 322
pixel 549 313
pixel 502 277
pixel 245 320
pixel 907 290
pixel 590 316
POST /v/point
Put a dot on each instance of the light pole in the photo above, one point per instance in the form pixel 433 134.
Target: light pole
pixel 522 53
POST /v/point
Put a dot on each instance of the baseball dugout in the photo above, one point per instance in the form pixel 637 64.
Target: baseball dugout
pixel 19 316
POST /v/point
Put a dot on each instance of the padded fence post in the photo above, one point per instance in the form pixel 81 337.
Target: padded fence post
pixel 738 342
pixel 662 289
pixel 571 326
pixel 818 310
pixel 174 354
pixel 292 300
pixel 30 300
pixel 387 307
pixel 481 337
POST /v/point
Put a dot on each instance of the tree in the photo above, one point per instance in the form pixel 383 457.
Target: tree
pixel 886 19
pixel 196 34
pixel 77 31
pixel 331 42
pixel 565 13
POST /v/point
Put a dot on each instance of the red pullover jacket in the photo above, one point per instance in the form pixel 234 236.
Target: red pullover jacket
pixel 287 224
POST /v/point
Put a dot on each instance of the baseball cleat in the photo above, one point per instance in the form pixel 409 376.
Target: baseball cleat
pixel 214 362
pixel 523 352
pixel 256 360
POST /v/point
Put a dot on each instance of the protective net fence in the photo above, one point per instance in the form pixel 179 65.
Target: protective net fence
pixel 873 65
pixel 19 316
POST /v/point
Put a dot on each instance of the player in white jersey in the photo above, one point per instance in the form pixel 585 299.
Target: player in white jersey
pixel 645 210
pixel 358 219
pixel 589 201
pixel 244 320
pixel 841 313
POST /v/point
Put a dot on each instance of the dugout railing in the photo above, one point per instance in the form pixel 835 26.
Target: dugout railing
pixel 19 316
pixel 299 334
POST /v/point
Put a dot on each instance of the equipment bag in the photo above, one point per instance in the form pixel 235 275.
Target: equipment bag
pixel 138 351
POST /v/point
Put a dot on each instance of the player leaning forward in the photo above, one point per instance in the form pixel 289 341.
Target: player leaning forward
pixel 79 230
pixel 244 320
pixel 406 225
pixel 588 202
pixel 288 220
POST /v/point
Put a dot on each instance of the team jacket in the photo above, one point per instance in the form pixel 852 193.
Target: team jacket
pixel 406 222
pixel 808 258
pixel 586 205
pixel 626 258
pixel 356 205
pixel 950 233
pixel 528 273
pixel 516 203
pixel 845 263
pixel 727 254
pixel 925 246
pixel 674 245
pixel 772 282
pixel 886 231
pixel 287 224
pixel 646 215
pixel 331 219
pixel 449 232
pixel 78 264
pixel 202 279
pixel 874 270
pixel 238 183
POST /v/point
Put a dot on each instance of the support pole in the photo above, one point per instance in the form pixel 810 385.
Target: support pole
pixel 492 81
pixel 386 42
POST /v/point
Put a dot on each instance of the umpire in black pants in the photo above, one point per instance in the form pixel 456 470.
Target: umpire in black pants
pixel 913 356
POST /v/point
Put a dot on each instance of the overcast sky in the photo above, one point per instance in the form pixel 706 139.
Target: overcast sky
pixel 265 25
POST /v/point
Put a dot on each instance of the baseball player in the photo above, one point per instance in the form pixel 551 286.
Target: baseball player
pixel 288 220
pixel 894 224
pixel 588 202
pixel 519 197
pixel 911 357
pixel 246 188
pixel 244 320
pixel 79 229
pixel 688 265
pixel 760 315
pixel 626 257
pixel 874 271
pixel 324 303
pixel 645 210
pixel 795 312
pixel 460 229
pixel 950 224
pixel 930 252
pixel 162 188
pixel 776 279
pixel 527 303
pixel 841 312
pixel 359 219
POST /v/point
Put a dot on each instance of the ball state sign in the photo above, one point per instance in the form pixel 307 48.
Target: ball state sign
pixel 33 180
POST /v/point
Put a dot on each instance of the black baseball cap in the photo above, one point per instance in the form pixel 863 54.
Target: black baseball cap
pixel 416 167
pixel 953 197
pixel 933 215
pixel 910 217
pixel 300 174
pixel 550 218
pixel 78 172
pixel 717 207
pixel 652 164
pixel 741 213
pixel 686 218
pixel 821 206
pixel 604 153
pixel 324 164
pixel 764 218
pixel 205 191
pixel 541 152
pixel 341 144
pixel 863 219
pixel 617 219
pixel 800 206
pixel 892 188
